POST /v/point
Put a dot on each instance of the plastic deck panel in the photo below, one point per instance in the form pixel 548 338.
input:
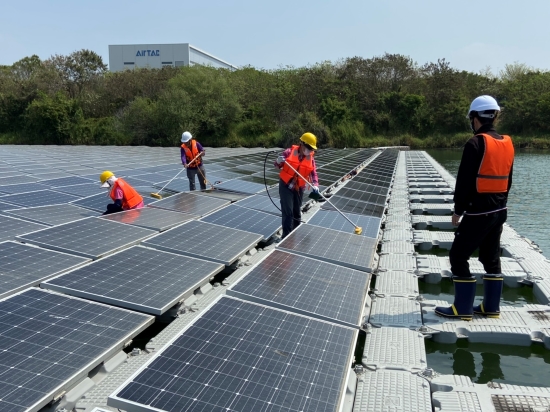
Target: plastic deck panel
pixel 394 349
pixel 432 208
pixel 523 252
pixel 427 239
pixel 431 191
pixel 421 222
pixel 520 326
pixel 405 217
pixel 397 247
pixel 392 391
pixel 390 235
pixel 397 225
pixel 536 268
pixel 397 262
pixel 431 199
pixel 396 283
pixel 541 290
pixel 458 394
pixel 398 312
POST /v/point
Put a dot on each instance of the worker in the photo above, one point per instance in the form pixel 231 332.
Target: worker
pixel 291 186
pixel 481 193
pixel 190 149
pixel 124 196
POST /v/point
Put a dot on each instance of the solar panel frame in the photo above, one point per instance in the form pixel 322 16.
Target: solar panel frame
pixel 38 355
pixel 190 203
pixel 332 246
pixel 52 215
pixel 331 219
pixel 150 218
pixel 204 240
pixel 74 238
pixel 137 278
pixel 306 286
pixel 249 220
pixel 238 373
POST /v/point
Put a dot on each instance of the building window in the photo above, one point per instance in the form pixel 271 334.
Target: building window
pixel 166 62
pixel 128 62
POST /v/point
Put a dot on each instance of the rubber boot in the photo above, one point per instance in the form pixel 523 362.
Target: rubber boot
pixel 492 290
pixel 465 293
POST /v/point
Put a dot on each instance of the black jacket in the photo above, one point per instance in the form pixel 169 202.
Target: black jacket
pixel 466 198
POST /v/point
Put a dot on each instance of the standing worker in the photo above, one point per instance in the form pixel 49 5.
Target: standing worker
pixel 291 186
pixel 190 149
pixel 482 185
pixel 124 196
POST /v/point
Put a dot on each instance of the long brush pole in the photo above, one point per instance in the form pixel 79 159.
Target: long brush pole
pixel 357 228
pixel 170 181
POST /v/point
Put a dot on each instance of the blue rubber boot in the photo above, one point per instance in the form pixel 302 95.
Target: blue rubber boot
pixel 492 290
pixel 465 293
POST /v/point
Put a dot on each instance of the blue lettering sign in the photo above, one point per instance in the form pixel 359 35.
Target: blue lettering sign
pixel 143 53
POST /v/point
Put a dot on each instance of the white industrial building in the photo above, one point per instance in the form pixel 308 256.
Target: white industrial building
pixel 156 56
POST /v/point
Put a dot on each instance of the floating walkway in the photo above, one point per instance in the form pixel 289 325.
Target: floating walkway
pixel 251 323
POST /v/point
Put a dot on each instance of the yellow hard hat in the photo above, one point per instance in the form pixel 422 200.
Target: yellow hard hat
pixel 105 175
pixel 309 139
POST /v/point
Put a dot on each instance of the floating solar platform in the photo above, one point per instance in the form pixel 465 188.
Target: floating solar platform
pixel 263 203
pixel 432 208
pixel 238 217
pixel 427 239
pixel 396 312
pixel 421 222
pixel 22 188
pixel 240 356
pixel 52 215
pixel 357 207
pixel 24 266
pixel 91 238
pixel 396 283
pixel 431 198
pixel 205 241
pixel 137 278
pixel 11 227
pixel 39 198
pixel 190 203
pixel 333 246
pixel 333 220
pixel 150 218
pixel 431 191
pixel 306 286
pixel 50 342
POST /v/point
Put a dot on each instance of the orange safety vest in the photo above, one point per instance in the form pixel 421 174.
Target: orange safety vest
pixel 191 154
pixel 304 168
pixel 496 164
pixel 130 198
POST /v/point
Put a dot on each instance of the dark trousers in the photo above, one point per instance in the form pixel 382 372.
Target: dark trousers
pixel 291 204
pixel 483 232
pixel 192 172
pixel 112 208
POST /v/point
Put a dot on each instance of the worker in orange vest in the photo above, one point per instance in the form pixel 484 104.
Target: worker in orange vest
pixel 190 148
pixel 291 186
pixel 481 193
pixel 124 196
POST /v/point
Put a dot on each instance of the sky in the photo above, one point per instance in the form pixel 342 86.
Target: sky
pixel 471 35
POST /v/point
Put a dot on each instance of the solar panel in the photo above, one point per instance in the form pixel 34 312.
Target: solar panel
pixel 333 246
pixel 249 220
pixel 238 185
pixel 150 218
pixel 91 238
pixel 52 215
pixel 82 190
pixel 12 227
pixel 221 194
pixel 363 196
pixel 333 220
pixel 357 207
pixel 190 203
pixel 306 286
pixel 263 203
pixel 50 342
pixel 7 206
pixel 239 356
pixel 22 188
pixel 12 180
pixel 66 181
pixel 379 190
pixel 205 241
pixel 100 201
pixel 23 266
pixel 137 278
pixel 40 198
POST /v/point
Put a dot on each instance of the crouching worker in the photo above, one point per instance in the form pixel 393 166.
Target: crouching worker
pixel 124 196
pixel 291 185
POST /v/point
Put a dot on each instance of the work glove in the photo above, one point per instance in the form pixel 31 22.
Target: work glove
pixel 281 160
pixel 315 189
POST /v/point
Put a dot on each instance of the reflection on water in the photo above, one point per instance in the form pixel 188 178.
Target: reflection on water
pixel 530 192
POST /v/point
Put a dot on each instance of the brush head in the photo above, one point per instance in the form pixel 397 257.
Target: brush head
pixel 156 195
pixel 358 230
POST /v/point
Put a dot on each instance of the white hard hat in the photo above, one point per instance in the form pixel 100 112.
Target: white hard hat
pixel 482 103
pixel 185 137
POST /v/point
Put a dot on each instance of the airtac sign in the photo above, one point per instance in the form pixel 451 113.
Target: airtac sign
pixel 143 53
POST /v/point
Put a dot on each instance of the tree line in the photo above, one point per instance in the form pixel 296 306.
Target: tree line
pixel 355 102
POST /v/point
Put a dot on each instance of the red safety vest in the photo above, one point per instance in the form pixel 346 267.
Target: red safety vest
pixel 496 165
pixel 304 167
pixel 130 198
pixel 191 154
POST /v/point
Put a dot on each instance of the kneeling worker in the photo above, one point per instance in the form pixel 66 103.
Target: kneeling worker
pixel 124 196
pixel 292 186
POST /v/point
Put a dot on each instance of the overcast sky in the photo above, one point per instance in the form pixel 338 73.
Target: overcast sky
pixel 471 35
